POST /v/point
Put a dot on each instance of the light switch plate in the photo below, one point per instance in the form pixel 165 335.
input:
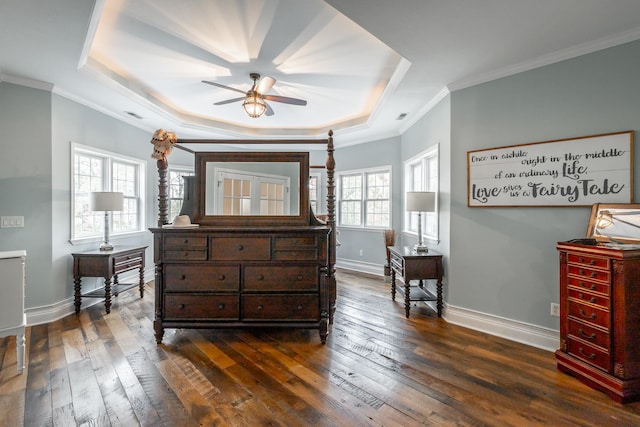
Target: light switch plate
pixel 11 221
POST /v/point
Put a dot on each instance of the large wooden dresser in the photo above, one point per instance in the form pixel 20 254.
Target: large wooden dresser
pixel 211 277
pixel 600 317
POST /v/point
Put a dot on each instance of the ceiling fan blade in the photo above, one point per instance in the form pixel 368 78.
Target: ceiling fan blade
pixel 223 86
pixel 285 99
pixel 265 84
pixel 229 101
pixel 269 110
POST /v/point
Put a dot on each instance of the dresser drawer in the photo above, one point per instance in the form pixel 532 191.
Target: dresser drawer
pixel 185 241
pixel 280 307
pixel 294 242
pixel 588 285
pixel 198 307
pixel 581 296
pixel 185 255
pixel 301 254
pixel 190 277
pixel 589 334
pixel 280 278
pixel 127 262
pixel 588 273
pixel 587 260
pixel 590 314
pixel 590 354
pixel 241 248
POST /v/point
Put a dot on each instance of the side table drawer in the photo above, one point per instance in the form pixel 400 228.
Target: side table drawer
pixel 127 262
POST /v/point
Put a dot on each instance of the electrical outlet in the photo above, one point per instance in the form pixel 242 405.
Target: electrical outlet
pixel 12 221
pixel 361 252
pixel 555 309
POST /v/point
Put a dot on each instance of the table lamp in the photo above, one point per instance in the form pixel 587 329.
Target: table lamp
pixel 106 201
pixel 420 201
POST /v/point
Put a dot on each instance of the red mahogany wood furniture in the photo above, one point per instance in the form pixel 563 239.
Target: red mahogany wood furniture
pixel 600 317
pixel 107 264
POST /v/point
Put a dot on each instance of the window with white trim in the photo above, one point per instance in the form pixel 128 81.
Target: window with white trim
pixel 314 190
pixel 421 174
pixel 97 170
pixel 176 190
pixel 364 198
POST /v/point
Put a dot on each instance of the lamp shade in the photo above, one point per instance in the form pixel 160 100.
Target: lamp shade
pixel 254 105
pixel 421 201
pixel 106 201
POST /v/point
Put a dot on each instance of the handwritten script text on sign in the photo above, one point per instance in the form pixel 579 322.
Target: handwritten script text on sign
pixel 578 172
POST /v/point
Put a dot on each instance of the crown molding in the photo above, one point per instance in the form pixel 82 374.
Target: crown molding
pixel 25 81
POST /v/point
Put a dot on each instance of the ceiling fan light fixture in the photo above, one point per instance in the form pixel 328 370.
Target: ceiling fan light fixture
pixel 254 105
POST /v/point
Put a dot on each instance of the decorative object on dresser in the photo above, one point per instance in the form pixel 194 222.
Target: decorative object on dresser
pixel 600 304
pixel 107 201
pixel 420 201
pixel 12 317
pixel 107 264
pixel 416 266
pixel 259 257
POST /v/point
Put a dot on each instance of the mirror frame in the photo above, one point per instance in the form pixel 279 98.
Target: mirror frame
pixel 201 160
pixel 596 211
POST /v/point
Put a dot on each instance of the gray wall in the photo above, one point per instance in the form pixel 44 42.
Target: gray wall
pixel 25 184
pixel 503 261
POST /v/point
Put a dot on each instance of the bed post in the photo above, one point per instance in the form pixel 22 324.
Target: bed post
pixel 331 221
pixel 163 193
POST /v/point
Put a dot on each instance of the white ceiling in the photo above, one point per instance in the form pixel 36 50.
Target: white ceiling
pixel 358 63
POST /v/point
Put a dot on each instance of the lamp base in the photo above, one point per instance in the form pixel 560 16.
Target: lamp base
pixel 106 247
pixel 420 248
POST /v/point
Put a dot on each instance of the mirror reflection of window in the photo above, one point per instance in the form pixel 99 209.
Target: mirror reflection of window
pixel 271 198
pixel 241 193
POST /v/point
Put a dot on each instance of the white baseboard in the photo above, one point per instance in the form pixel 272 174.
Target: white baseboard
pixel 362 267
pixel 50 313
pixel 525 333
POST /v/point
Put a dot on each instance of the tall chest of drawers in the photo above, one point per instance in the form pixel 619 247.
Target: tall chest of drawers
pixel 213 277
pixel 600 317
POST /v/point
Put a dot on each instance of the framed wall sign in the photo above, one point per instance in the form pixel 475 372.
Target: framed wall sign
pixel 568 172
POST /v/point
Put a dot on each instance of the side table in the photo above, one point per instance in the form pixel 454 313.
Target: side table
pixel 418 266
pixel 107 264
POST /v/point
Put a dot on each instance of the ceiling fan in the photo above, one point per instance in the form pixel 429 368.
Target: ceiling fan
pixel 254 99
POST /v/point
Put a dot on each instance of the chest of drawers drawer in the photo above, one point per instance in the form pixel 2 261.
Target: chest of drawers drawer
pixel 185 255
pixel 195 307
pixel 203 277
pixel 588 285
pixel 582 296
pixel 240 248
pixel 589 353
pixel 588 261
pixel 586 273
pixel 589 333
pixel 280 307
pixel 185 241
pixel 590 314
pixel 264 278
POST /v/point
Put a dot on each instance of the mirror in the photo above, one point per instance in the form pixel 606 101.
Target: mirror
pixel 615 223
pixel 252 188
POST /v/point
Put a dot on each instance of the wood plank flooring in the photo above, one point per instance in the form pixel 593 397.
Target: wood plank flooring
pixel 377 369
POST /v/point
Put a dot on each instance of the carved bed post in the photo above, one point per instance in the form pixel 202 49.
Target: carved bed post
pixel 163 193
pixel 331 221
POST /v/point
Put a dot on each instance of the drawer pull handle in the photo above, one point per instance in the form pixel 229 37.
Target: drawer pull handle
pixel 240 247
pixel 220 306
pixel 581 271
pixel 181 306
pixel 299 308
pixel 589 337
pixel 299 277
pixel 221 277
pixel 592 299
pixel 183 277
pixel 592 262
pixel 260 307
pixel 186 253
pixel 583 314
pixel 592 287
pixel 186 241
pixel 594 274
pixel 591 356
pixel 260 277
pixel 581 259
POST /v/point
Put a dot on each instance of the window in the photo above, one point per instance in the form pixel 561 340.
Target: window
pixel 176 190
pixel 314 192
pixel 421 174
pixel 97 170
pixel 365 198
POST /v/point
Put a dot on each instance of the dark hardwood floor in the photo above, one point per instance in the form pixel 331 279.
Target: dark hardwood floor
pixel 377 368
